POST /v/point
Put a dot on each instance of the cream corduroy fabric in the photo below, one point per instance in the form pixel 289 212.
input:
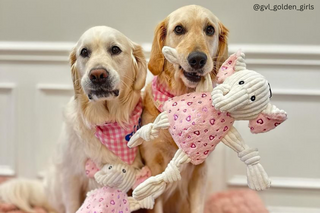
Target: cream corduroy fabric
pixel 154 186
pixel 233 97
pixel 122 177
pixel 257 178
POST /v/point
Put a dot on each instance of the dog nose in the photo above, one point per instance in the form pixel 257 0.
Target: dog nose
pixel 197 59
pixel 98 75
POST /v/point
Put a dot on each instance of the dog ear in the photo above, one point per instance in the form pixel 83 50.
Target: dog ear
pixel 140 67
pixel 156 61
pixel 222 54
pixel 74 73
pixel 73 56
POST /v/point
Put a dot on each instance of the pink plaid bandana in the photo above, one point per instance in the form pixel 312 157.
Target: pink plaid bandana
pixel 160 94
pixel 115 137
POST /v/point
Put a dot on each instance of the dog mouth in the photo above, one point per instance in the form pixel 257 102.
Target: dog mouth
pixel 191 76
pixel 96 95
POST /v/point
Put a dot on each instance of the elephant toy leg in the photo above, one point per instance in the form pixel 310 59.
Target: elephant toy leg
pixel 155 186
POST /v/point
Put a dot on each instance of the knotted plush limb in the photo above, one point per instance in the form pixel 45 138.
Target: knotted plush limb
pixel 150 131
pixel 146 203
pixel 155 186
pixel 256 176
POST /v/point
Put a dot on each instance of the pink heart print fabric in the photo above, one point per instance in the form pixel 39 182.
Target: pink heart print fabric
pixel 91 168
pixel 105 200
pixel 195 125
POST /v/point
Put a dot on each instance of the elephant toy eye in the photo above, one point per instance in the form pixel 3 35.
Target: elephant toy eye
pixel 253 98
pixel 110 167
pixel 241 82
pixel 270 91
pixel 124 171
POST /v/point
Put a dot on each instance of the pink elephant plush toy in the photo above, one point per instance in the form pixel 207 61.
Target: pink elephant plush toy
pixel 199 121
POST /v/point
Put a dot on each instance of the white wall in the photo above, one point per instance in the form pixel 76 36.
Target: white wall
pixel 61 20
pixel 35 83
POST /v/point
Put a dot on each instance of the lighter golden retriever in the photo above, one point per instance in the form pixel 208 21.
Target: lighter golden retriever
pixel 108 72
pixel 201 42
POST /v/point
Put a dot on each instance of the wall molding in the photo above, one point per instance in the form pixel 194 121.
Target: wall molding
pixel 35 51
pixel 293 92
pixel 7 86
pixel 6 171
pixel 259 54
pixel 281 209
pixel 281 182
pixel 55 87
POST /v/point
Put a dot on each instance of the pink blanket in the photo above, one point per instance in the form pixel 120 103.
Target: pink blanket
pixel 233 201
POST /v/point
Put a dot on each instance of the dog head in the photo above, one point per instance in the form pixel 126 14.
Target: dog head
pixel 106 65
pixel 200 40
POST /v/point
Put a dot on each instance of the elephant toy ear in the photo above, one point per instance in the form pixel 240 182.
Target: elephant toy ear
pixel 233 64
pixel 267 120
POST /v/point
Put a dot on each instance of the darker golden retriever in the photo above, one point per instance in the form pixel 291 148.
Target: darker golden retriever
pixel 201 42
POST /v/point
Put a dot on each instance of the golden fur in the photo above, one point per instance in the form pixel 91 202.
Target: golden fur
pixel 187 195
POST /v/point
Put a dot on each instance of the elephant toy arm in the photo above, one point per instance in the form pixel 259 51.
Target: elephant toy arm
pixel 146 203
pixel 150 131
pixel 256 176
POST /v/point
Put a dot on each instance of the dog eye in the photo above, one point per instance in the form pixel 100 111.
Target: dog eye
pixel 115 50
pixel 241 82
pixel 179 30
pixel 110 167
pixel 84 53
pixel 253 98
pixel 124 171
pixel 209 30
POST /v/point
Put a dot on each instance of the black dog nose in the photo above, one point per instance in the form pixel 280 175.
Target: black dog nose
pixel 197 59
pixel 98 75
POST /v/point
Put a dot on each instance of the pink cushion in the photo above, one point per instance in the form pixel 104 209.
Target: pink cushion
pixel 235 201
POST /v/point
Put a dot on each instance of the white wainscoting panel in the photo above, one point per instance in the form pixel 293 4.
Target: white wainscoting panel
pixel 35 84
pixel 33 68
pixel 7 129
pixel 50 102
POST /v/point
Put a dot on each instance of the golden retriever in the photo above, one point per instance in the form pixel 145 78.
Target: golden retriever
pixel 108 73
pixel 201 42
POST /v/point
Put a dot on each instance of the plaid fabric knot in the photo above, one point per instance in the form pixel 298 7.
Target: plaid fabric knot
pixel 160 94
pixel 116 137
